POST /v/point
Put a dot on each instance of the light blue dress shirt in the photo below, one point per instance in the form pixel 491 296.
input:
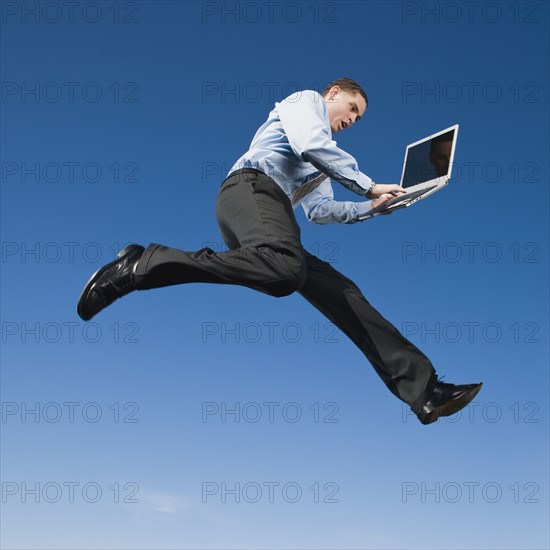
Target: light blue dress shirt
pixel 295 148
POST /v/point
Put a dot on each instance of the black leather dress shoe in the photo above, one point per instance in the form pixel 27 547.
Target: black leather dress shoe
pixel 112 281
pixel 445 400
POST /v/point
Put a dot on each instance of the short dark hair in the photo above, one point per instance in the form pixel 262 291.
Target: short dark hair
pixel 446 137
pixel 347 85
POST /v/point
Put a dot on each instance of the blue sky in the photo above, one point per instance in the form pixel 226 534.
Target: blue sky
pixel 119 121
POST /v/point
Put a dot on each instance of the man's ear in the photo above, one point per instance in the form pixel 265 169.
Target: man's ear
pixel 332 92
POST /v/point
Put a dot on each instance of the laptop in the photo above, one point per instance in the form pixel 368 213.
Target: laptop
pixel 426 169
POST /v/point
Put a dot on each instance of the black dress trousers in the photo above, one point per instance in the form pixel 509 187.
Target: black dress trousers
pixel 265 253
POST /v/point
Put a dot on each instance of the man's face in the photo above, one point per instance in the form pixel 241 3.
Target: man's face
pixel 344 109
pixel 440 155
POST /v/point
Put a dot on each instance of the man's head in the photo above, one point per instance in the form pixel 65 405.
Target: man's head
pixel 440 152
pixel 346 103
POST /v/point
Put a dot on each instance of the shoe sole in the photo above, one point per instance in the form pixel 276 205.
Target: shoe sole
pixel 93 279
pixel 452 407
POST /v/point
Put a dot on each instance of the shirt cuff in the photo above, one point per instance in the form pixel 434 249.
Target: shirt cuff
pixel 362 209
pixel 366 182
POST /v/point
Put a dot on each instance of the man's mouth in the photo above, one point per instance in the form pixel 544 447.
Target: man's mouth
pixel 343 125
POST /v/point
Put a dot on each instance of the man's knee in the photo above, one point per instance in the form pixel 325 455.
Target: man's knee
pixel 292 276
pixel 286 272
pixel 285 287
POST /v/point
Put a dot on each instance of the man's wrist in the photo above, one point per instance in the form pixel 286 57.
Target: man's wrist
pixel 369 193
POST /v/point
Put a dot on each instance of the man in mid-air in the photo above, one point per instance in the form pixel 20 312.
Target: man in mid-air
pixel 290 162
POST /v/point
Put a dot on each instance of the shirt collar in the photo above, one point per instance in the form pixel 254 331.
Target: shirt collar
pixel 326 117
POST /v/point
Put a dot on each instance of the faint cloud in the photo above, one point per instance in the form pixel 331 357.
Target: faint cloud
pixel 161 506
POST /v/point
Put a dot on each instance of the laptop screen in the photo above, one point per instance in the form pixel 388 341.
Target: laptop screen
pixel 428 160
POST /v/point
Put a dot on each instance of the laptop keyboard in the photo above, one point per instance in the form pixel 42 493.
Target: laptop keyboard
pixel 406 197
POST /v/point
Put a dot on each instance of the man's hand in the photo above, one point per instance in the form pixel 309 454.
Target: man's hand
pixel 381 199
pixel 381 189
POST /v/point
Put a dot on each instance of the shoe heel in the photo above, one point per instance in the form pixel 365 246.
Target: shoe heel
pixel 124 251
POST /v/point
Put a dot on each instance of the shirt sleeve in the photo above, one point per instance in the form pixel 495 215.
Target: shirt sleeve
pixel 320 207
pixel 303 117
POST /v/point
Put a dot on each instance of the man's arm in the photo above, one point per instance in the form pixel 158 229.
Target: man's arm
pixel 320 207
pixel 302 116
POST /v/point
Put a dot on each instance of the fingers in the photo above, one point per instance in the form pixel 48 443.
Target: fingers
pixel 381 199
pixel 394 189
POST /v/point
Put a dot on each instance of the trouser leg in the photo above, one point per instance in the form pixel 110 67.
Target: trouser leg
pixel 258 225
pixel 405 370
pixel 257 222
